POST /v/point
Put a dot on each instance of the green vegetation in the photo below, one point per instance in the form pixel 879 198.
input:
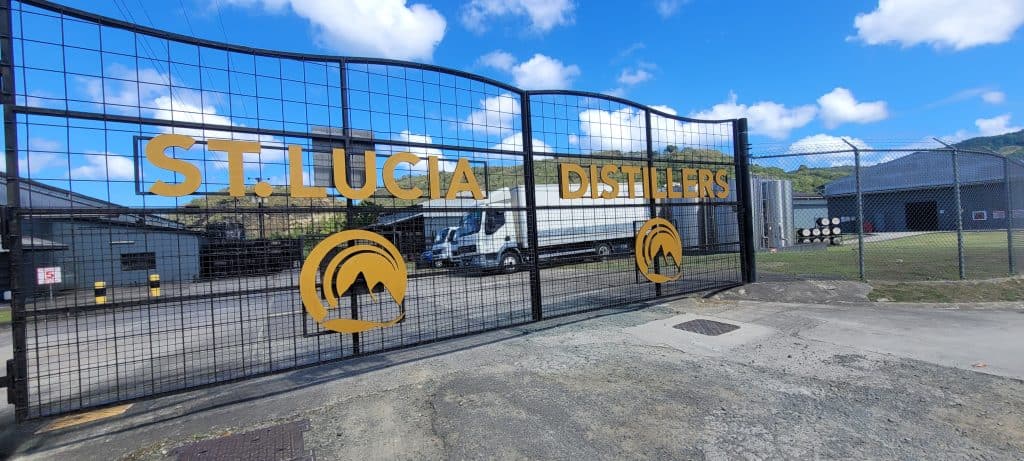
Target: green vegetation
pixel 1006 289
pixel 805 179
pixel 931 256
pixel 306 216
pixel 5 316
pixel 1009 144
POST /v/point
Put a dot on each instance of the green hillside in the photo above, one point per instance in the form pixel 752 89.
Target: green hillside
pixel 1009 144
pixel 805 179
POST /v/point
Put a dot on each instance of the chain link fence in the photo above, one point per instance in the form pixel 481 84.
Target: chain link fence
pixel 906 212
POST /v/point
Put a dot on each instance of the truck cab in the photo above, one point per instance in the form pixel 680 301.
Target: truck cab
pixel 486 239
pixel 441 250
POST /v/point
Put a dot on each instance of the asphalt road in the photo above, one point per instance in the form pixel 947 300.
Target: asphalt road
pixel 85 356
pixel 847 379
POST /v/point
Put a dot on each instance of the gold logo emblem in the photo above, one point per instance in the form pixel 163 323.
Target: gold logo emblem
pixel 658 236
pixel 361 252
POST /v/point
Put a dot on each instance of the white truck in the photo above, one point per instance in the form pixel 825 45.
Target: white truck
pixel 440 252
pixel 493 238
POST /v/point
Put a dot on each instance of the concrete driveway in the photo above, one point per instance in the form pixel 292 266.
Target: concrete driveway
pixel 845 380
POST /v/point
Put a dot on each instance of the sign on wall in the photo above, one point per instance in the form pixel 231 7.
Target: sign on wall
pixel 48 275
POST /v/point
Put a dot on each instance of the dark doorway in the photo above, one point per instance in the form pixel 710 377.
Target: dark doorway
pixel 922 216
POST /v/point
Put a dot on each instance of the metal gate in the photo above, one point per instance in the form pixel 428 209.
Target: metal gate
pixel 181 213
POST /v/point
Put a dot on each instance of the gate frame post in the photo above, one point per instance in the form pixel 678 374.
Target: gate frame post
pixel 860 210
pixel 536 300
pixel 1009 217
pixel 960 258
pixel 12 224
pixel 744 200
pixel 346 141
pixel 652 203
pixel 959 216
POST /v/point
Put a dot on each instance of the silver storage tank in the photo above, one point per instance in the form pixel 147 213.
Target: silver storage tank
pixel 773 213
pixel 777 199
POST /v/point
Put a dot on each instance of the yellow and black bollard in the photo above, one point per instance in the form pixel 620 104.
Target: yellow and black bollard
pixel 100 290
pixel 154 285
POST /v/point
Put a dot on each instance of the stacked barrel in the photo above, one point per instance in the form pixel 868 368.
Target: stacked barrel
pixel 825 230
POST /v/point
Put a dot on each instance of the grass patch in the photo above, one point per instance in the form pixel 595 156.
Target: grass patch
pixel 5 316
pixel 931 256
pixel 1007 289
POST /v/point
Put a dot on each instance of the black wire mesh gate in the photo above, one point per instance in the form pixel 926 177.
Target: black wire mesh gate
pixel 494 206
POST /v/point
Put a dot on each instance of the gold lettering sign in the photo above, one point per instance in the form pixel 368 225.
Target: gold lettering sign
pixel 576 181
pixel 463 179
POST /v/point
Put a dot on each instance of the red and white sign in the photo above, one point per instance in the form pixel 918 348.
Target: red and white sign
pixel 47 275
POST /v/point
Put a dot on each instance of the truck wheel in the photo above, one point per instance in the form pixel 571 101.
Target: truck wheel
pixel 603 251
pixel 439 263
pixel 509 263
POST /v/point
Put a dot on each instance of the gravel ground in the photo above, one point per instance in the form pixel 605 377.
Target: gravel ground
pixel 592 390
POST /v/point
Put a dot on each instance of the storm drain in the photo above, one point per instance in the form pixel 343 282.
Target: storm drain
pixel 706 327
pixel 275 443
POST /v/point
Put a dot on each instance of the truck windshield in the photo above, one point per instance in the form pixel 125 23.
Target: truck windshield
pixel 470 224
pixel 441 235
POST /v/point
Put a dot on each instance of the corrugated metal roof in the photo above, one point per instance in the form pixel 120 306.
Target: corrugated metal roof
pixel 432 209
pixel 923 170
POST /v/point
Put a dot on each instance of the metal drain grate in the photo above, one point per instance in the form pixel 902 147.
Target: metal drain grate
pixel 707 327
pixel 275 443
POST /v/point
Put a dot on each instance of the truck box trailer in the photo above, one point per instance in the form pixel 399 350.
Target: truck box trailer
pixel 495 237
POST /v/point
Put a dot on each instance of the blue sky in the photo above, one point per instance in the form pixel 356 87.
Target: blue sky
pixel 804 72
pixel 688 55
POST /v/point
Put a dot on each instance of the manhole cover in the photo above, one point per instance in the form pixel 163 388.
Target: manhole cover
pixel 274 443
pixel 706 327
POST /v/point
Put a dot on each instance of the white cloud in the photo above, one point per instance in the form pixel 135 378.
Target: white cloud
pixel 665 109
pixel 127 87
pixel 621 130
pixel 632 48
pixel 42 154
pixel 956 24
pixel 498 59
pixel 839 107
pixel 987 95
pixel 497 115
pixel 996 125
pixel 993 97
pixel 421 152
pixel 377 28
pixel 544 14
pixel 104 166
pixel 628 77
pixel 156 100
pixel 544 73
pixel 765 118
pixel 624 130
pixel 824 142
pixel 538 73
pixel 667 8
pixel 515 142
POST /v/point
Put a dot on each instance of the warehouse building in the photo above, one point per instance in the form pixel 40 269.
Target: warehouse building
pixel 807 209
pixel 118 248
pixel 916 193
pixel 413 231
